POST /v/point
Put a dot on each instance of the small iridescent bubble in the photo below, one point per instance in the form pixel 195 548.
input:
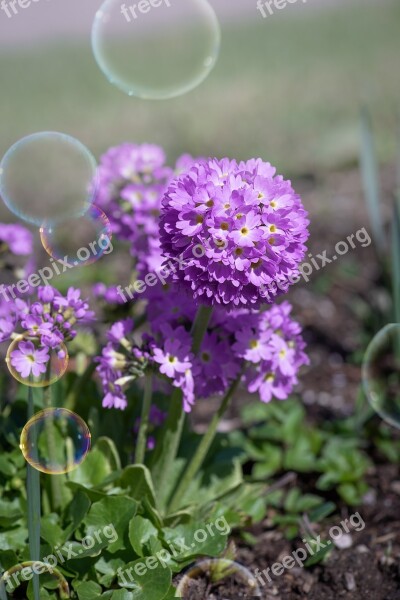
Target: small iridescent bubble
pixel 217 570
pixel 55 441
pixel 79 241
pixel 381 374
pixel 47 177
pixel 156 50
pixel 13 577
pixel 34 364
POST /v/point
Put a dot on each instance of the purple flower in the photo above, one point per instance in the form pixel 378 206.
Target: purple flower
pixel 9 315
pixel 273 348
pixel 174 357
pixel 240 228
pixel 18 239
pixel 28 360
pixel 131 181
pixel 53 317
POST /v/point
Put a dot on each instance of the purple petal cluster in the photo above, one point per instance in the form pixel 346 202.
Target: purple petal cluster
pixel 272 347
pixel 264 347
pixel 17 239
pixel 131 181
pixel 240 227
pixel 51 320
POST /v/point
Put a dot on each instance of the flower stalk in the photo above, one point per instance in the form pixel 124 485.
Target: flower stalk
pixel 34 508
pixel 168 450
pixel 202 450
pixel 144 421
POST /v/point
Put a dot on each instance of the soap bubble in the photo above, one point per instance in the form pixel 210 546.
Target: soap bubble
pixel 216 571
pixel 55 441
pixel 13 577
pixel 35 365
pixel 82 240
pixel 47 177
pixel 381 373
pixel 156 49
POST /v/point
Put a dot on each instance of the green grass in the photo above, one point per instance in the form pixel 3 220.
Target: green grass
pixel 287 89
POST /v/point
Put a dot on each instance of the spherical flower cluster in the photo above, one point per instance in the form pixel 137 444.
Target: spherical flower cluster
pixel 131 181
pixel 239 225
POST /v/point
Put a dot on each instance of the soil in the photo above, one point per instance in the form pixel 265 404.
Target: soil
pixel 369 569
pixel 231 588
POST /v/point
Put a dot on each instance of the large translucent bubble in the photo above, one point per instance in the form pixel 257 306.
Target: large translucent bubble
pixel 156 49
pixel 47 177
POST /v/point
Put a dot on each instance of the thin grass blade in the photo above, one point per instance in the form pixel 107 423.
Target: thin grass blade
pixel 33 493
pixel 370 180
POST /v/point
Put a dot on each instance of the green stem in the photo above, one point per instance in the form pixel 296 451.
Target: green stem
pixel 202 450
pixel 79 386
pixel 56 495
pixel 33 495
pixel 144 421
pixel 200 326
pixel 167 451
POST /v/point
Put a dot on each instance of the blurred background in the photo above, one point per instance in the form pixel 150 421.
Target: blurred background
pixel 287 88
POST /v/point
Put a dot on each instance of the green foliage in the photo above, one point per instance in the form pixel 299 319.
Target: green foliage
pixel 278 439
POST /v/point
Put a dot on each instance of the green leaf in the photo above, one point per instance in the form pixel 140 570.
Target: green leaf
pixel 6 466
pixel 109 450
pixel 51 531
pixel 271 462
pixel 114 511
pixel 199 540
pixel 137 479
pixel 95 468
pixel 14 539
pixel 148 580
pixel 88 590
pixel 122 595
pixel 140 531
pixel 321 512
pixel 320 555
pixel 76 512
